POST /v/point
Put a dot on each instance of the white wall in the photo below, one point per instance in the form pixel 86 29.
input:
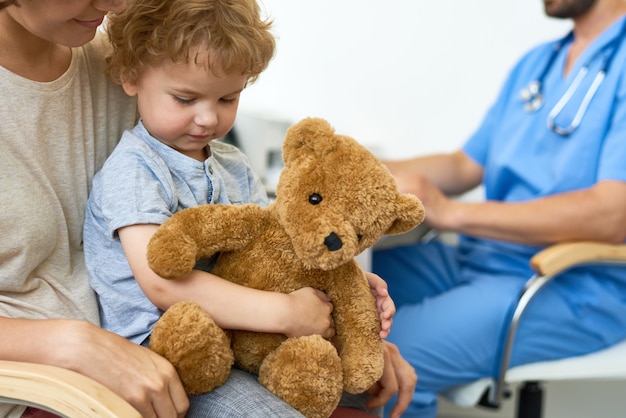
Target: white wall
pixel 404 77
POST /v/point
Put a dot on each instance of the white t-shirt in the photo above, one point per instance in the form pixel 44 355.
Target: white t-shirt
pixel 53 136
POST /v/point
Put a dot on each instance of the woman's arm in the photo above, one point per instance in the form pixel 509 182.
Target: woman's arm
pixel 303 312
pixel 399 377
pixel 143 378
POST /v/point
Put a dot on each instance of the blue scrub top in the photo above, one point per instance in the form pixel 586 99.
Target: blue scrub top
pixel 523 159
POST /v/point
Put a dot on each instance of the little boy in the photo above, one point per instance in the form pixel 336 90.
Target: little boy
pixel 187 62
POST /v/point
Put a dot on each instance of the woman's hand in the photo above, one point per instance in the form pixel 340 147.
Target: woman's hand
pixel 398 377
pixel 384 303
pixel 143 378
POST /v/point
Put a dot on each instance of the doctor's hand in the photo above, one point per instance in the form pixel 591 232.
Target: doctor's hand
pixel 440 209
pixel 385 305
pixel 398 377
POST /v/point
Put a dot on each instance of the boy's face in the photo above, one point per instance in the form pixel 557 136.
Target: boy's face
pixel 185 105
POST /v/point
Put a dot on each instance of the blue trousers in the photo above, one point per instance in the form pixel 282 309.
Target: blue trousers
pixel 451 316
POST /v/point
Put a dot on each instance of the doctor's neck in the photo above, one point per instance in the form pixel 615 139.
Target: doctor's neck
pixel 601 15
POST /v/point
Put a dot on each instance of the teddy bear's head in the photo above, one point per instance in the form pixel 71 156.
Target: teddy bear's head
pixel 335 198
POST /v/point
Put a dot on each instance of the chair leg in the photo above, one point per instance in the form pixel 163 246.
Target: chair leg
pixel 530 401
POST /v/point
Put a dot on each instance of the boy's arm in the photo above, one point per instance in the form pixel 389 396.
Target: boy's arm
pixel 303 312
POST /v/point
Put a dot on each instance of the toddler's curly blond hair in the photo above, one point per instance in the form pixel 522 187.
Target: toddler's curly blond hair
pixel 148 32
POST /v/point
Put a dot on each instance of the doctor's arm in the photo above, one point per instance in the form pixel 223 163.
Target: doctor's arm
pixel 453 173
pixel 596 213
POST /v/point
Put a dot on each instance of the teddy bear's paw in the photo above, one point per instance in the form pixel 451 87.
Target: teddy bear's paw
pixel 199 349
pixel 170 255
pixel 306 373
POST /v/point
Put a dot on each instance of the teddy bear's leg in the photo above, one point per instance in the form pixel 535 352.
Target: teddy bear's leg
pixel 363 365
pixel 199 349
pixel 306 373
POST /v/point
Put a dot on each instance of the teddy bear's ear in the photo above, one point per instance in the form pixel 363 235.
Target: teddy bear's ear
pixel 308 135
pixel 410 213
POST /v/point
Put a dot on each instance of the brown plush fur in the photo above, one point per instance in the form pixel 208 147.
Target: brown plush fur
pixel 334 200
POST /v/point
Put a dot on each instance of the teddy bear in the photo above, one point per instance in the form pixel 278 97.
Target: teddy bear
pixel 334 199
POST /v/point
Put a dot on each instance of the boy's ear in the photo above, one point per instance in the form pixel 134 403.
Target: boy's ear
pixel 130 88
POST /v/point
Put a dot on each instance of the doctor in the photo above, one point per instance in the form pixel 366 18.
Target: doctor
pixel 551 155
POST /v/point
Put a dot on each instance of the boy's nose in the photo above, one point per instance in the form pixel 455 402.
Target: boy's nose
pixel 206 117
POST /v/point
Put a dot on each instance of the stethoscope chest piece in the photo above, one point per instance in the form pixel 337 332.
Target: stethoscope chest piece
pixel 531 96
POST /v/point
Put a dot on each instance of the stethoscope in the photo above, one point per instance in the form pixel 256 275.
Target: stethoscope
pixel 533 97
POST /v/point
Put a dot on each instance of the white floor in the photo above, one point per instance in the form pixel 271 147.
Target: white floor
pixel 561 400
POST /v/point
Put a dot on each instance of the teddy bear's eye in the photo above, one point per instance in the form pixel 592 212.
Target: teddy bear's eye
pixel 359 237
pixel 315 199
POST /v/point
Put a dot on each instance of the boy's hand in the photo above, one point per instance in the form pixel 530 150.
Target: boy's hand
pixel 310 313
pixel 384 303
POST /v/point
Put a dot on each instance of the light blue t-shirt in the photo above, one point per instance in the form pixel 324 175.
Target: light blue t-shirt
pixel 145 182
pixel 523 159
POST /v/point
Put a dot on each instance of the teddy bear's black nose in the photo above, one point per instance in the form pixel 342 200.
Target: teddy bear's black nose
pixel 333 242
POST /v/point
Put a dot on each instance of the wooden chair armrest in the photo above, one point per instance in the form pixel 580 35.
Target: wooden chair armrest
pixel 60 391
pixel 559 257
pixel 547 264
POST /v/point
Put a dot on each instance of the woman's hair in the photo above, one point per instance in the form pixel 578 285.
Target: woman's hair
pixel 148 32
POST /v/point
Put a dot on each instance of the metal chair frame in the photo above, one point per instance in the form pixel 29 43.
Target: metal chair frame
pixel 548 264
